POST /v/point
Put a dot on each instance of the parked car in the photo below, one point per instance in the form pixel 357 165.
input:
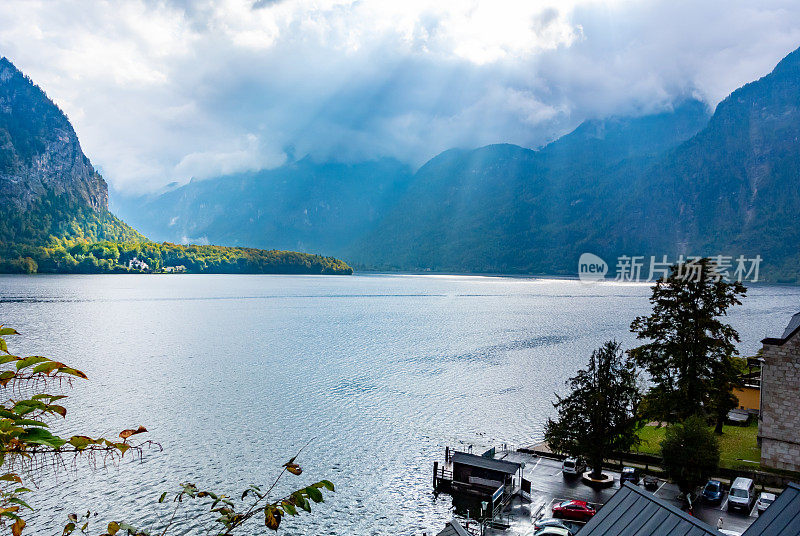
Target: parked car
pixel 573 466
pixel 577 510
pixel 742 494
pixel 553 531
pixel 713 492
pixel 629 474
pixel 555 522
pixel 650 483
pixel 764 500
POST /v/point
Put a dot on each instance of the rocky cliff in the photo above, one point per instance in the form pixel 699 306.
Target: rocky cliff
pixel 39 151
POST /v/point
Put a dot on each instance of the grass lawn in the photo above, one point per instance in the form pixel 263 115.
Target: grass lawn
pixel 736 443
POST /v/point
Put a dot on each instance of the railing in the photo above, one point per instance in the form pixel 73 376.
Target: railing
pixel 443 474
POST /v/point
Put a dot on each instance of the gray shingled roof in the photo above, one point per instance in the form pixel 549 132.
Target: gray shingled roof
pixel 633 510
pixel 501 466
pixel 454 528
pixel 794 323
pixel 782 518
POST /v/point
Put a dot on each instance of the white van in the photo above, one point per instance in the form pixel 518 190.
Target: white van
pixel 742 494
pixel 573 466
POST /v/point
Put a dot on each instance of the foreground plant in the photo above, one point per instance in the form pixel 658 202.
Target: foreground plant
pixel 27 446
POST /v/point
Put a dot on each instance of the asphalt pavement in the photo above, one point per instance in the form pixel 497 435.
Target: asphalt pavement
pixel 549 486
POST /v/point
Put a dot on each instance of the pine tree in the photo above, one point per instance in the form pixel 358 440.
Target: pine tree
pixel 599 417
pixel 689 356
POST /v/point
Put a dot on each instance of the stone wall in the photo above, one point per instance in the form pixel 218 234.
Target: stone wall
pixel 779 427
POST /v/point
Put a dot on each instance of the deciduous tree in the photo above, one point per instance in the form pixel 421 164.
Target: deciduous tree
pixel 690 453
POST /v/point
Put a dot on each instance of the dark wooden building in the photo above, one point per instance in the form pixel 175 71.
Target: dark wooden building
pixel 483 475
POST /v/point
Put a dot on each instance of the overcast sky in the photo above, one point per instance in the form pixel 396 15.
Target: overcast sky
pixel 166 91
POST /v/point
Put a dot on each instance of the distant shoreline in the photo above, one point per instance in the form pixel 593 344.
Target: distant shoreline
pixel 542 276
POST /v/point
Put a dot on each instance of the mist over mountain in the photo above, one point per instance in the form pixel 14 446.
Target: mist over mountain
pixel 303 205
pixel 54 213
pixel 735 186
pixel 679 182
pixel 503 208
pixel 492 209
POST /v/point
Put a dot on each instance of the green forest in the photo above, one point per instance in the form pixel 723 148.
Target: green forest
pixel 67 256
pixel 58 236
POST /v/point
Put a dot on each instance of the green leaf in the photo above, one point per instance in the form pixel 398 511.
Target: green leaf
pixel 289 508
pixel 3 346
pixel 129 528
pixel 48 367
pixel 17 500
pixel 163 496
pixel 314 494
pixel 40 436
pixel 6 377
pixel 328 484
pixel 113 528
pixel 299 500
pixel 80 442
pixel 30 360
pixel 49 398
pixel 8 359
pixel 7 331
pixel 30 422
pixel 73 372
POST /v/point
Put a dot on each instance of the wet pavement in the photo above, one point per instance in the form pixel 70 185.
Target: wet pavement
pixel 549 486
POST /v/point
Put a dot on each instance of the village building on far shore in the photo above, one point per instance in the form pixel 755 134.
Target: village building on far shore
pixel 137 264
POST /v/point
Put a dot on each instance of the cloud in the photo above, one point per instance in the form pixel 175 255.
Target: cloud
pixel 169 91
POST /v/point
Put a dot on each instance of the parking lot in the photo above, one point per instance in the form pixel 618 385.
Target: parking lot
pixel 550 486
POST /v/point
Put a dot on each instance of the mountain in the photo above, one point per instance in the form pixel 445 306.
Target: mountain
pixel 735 186
pixel 673 184
pixel 382 215
pixel 303 205
pixel 502 208
pixel 54 213
pixel 48 186
pixel 679 182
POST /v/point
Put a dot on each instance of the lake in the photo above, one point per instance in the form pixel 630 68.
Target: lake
pixel 233 374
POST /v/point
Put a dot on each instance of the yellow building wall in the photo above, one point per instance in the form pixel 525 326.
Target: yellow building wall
pixel 748 397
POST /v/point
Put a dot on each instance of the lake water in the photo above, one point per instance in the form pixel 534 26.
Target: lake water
pixel 233 374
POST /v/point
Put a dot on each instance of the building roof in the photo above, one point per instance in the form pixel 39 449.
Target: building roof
pixel 633 510
pixel 454 528
pixel 501 466
pixel 794 323
pixel 782 518
pixel 788 333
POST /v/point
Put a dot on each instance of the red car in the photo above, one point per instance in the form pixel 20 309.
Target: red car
pixel 577 510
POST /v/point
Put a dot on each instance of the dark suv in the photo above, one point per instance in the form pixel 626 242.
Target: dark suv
pixel 712 493
pixel 629 474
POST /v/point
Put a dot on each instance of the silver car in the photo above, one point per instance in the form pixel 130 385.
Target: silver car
pixel 764 500
pixel 572 466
